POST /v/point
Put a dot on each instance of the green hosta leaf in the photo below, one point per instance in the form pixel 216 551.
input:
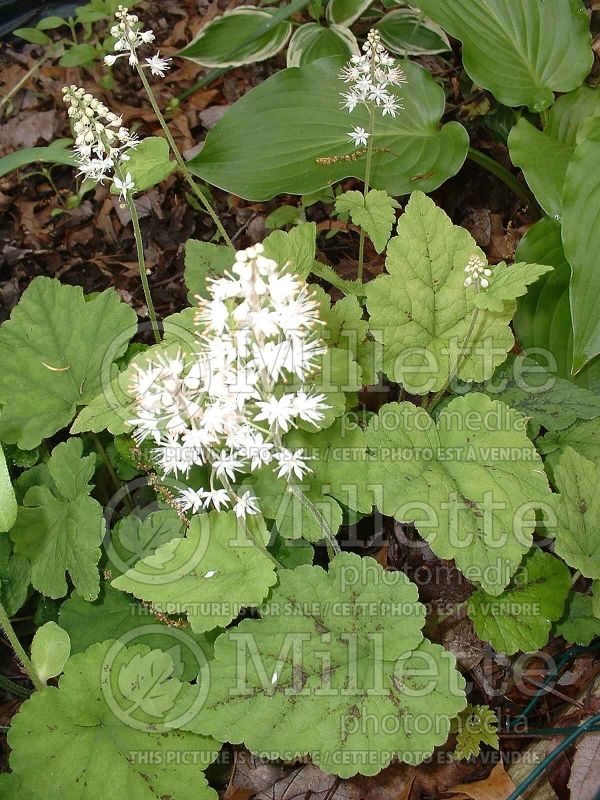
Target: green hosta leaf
pixel 114 615
pixel 33 155
pixel 578 512
pixel 543 318
pixel 67 742
pixel 8 503
pixel 538 394
pixel 15 574
pixel 421 311
pixel 470 483
pixel 507 283
pixel 545 155
pixel 345 12
pixel 296 248
pixel 210 575
pixel 406 32
pixel 290 135
pixel 334 655
pixel 204 260
pixel 50 650
pixel 476 725
pixel 66 346
pixel 59 530
pixel 581 238
pixel 521 617
pixel 234 39
pixel 149 163
pixel 521 50
pixel 312 41
pixel 579 624
pixel 375 214
pixel 583 437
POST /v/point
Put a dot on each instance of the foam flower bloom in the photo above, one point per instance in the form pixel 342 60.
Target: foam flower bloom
pixel 129 37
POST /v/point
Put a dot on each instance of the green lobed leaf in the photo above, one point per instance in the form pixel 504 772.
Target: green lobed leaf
pixel 133 538
pixel 583 437
pixel 507 283
pixel 521 617
pixel 470 483
pixel 204 260
pixel 333 650
pixel 15 575
pixel 476 725
pixel 577 510
pixel 50 650
pixel 521 50
pixel 210 575
pixel 68 741
pixel 375 214
pixel 545 155
pixel 421 310
pixel 60 530
pixel 149 163
pixel 296 248
pixel 312 41
pixel 234 39
pixel 407 32
pixel 290 135
pixel 66 345
pixel 579 624
pixel 115 615
pixel 581 239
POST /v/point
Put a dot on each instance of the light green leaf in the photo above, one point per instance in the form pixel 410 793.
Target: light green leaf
pixel 133 539
pixel 308 676
pixel 538 394
pixel 375 214
pixel 50 650
pixel 474 726
pixel 579 624
pixel 115 615
pixel 15 574
pixel 149 163
pixel 545 155
pixel 596 598
pixel 78 55
pixel 583 437
pixel 60 530
pixel 543 319
pixel 578 513
pixel 204 260
pixel 345 12
pixel 33 35
pixel 408 33
pixel 581 239
pixel 520 618
pixel 50 23
pixel 312 41
pixel 470 483
pixel 284 215
pixel 421 310
pixel 33 155
pixel 66 346
pixel 521 50
pixel 67 742
pixel 296 248
pixel 507 283
pixel 233 39
pixel 290 135
pixel 145 681
pixel 8 502
pixel 210 575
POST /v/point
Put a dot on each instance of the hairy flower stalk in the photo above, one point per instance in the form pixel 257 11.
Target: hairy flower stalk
pixel 102 146
pixel 129 37
pixel 371 77
pixel 229 404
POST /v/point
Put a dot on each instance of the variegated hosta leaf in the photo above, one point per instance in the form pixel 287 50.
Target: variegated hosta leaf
pixel 335 668
pixel 470 482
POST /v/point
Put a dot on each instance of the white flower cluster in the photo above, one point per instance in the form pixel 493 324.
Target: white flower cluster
pixel 101 141
pixel 228 404
pixel 129 37
pixel 371 75
pixel 478 273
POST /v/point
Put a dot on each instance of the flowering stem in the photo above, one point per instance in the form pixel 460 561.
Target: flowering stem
pixel 464 352
pixel 139 245
pixel 19 651
pixel 179 158
pixel 332 542
pixel 361 245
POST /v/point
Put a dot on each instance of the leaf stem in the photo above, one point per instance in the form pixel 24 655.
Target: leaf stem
pixel 510 180
pixel 179 158
pixel 139 246
pixel 25 78
pixel 361 245
pixel 19 651
pixel 14 688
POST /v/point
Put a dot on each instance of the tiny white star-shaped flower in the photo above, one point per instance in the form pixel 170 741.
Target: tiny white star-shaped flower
pixel 158 66
pixel 124 186
pixel 359 136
